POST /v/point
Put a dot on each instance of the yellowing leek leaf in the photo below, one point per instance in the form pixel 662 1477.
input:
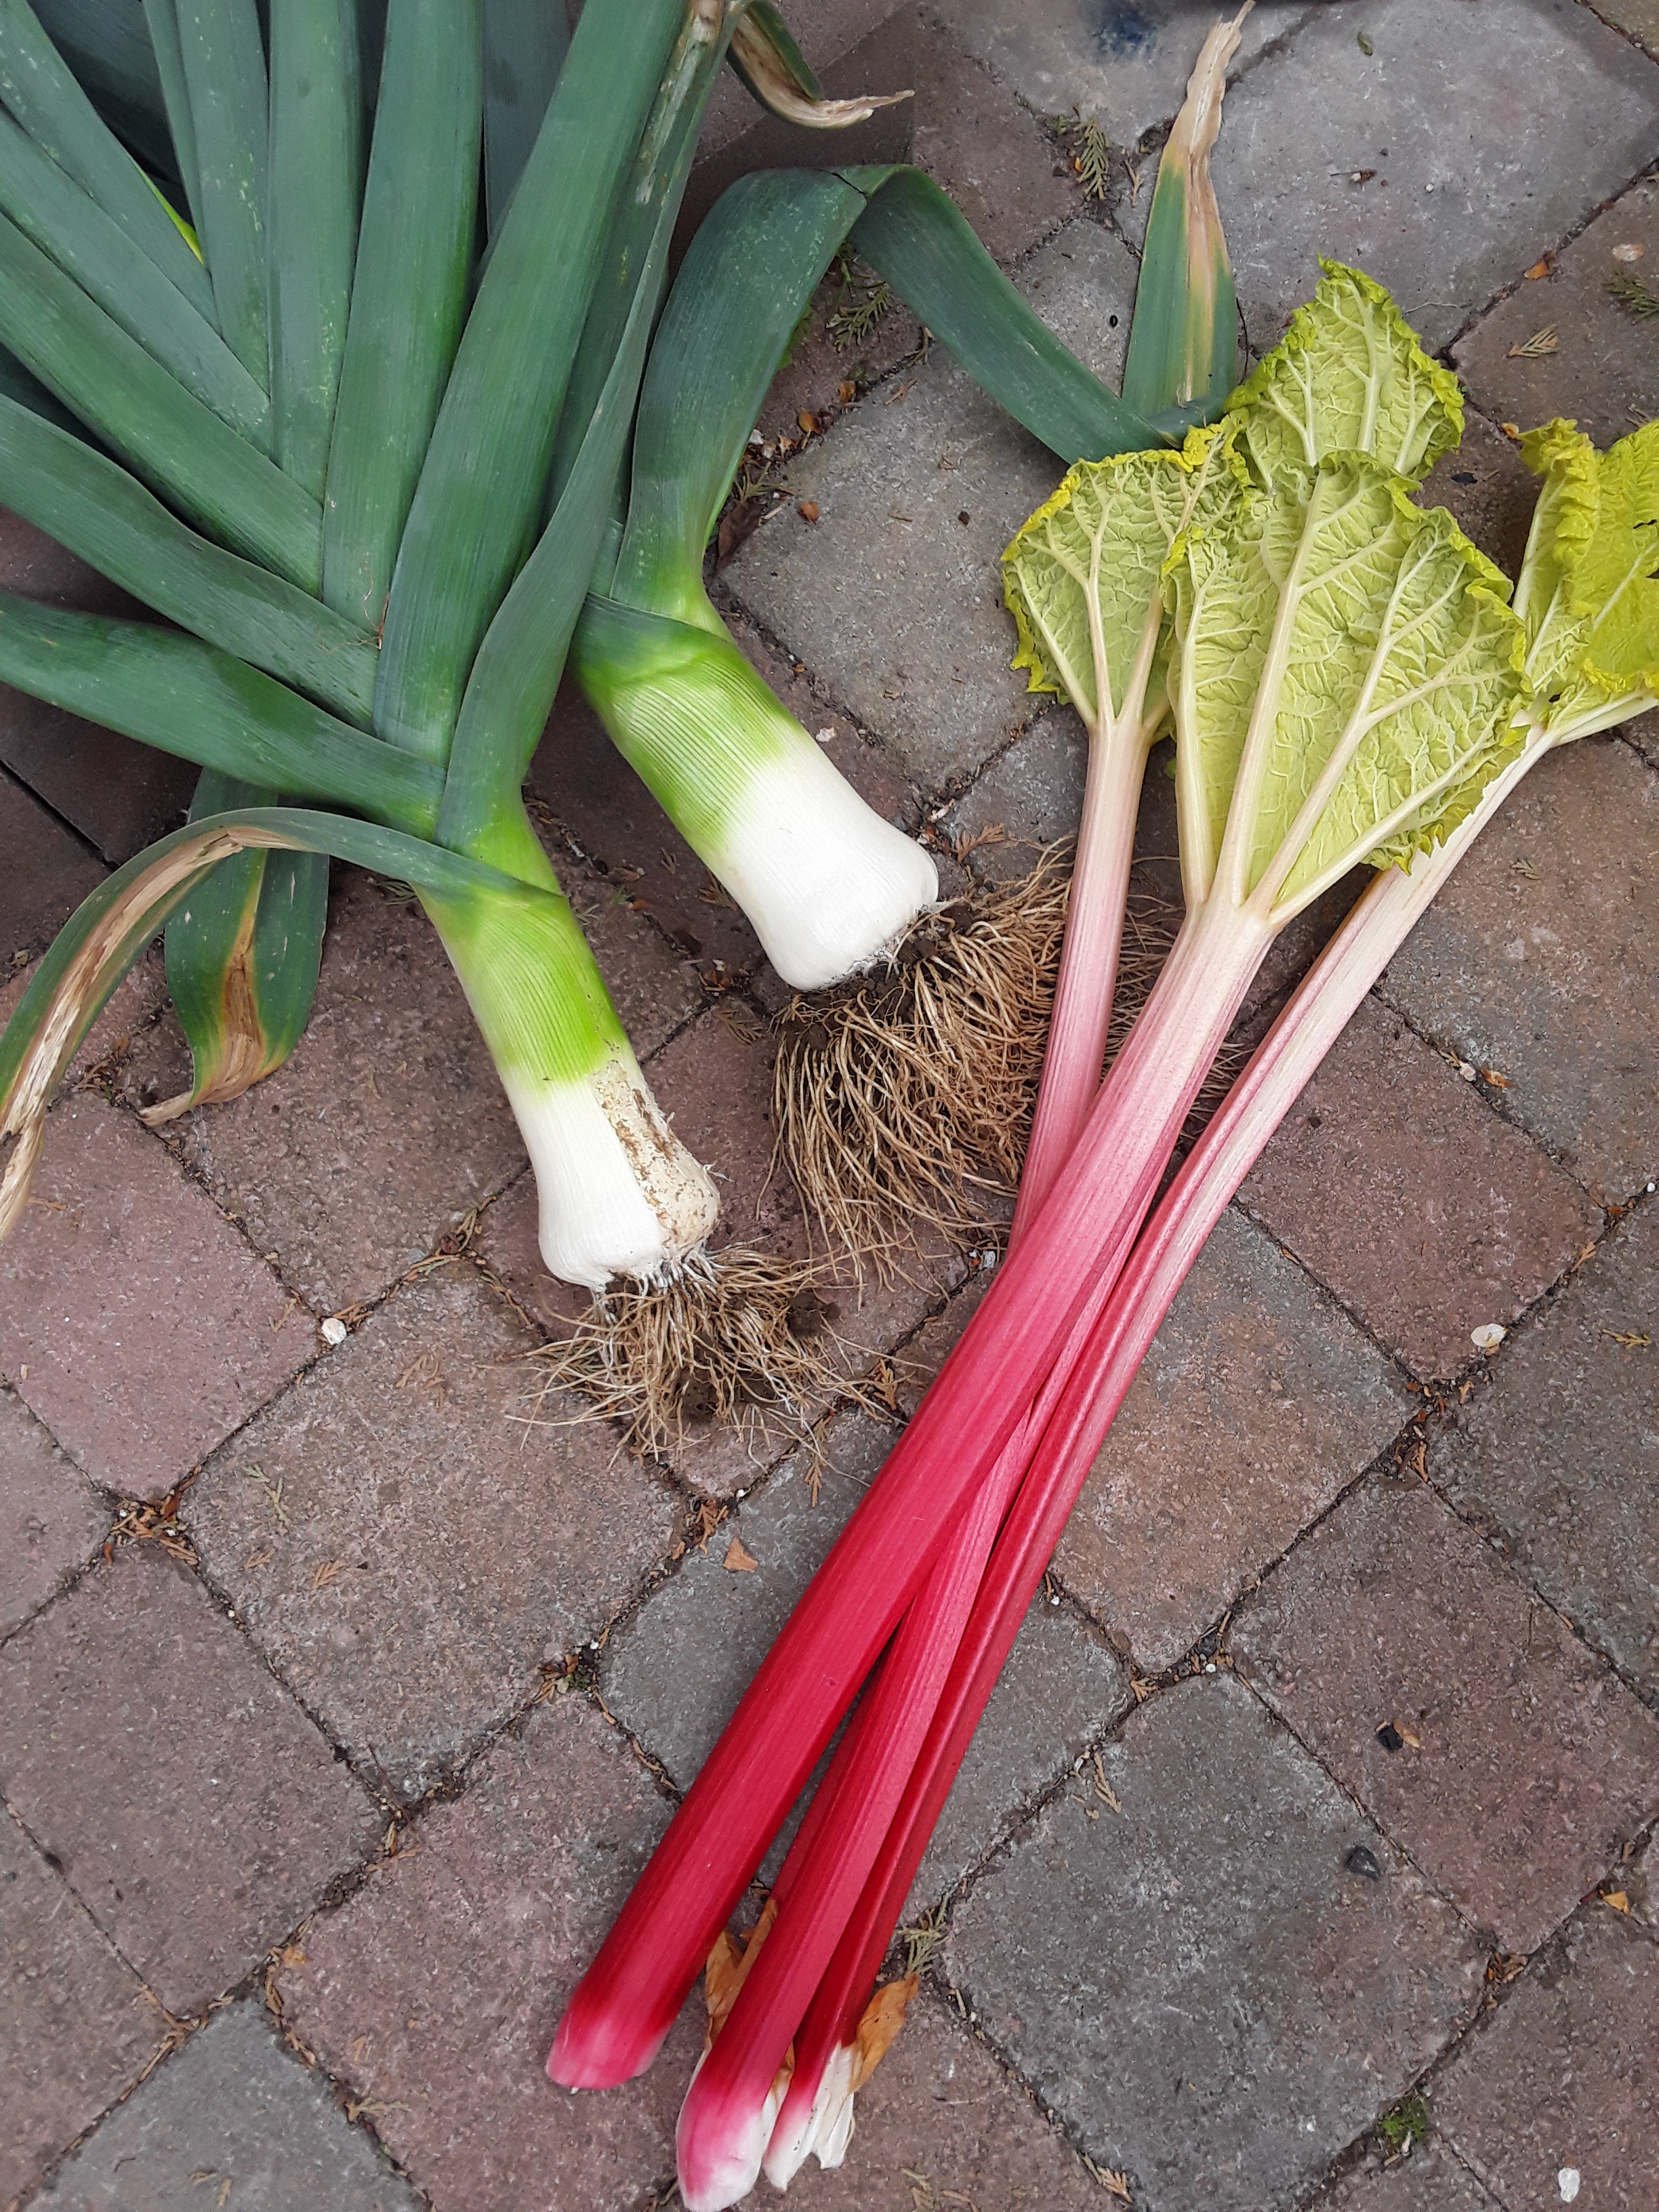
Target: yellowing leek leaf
pixel 1347 664
pixel 1348 376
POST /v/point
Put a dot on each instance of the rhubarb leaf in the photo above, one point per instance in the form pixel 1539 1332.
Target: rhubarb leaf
pixel 1348 376
pixel 1083 578
pixel 1588 593
pixel 1348 666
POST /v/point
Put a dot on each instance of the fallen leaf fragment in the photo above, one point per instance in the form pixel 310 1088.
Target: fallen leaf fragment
pixel 809 510
pixel 738 1560
pixel 1540 268
pixel 1616 1898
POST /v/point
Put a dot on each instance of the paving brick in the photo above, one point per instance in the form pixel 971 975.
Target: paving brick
pixel 989 153
pixel 189 1801
pixel 1539 959
pixel 386 1124
pixel 893 601
pixel 77 2027
pixel 1639 18
pixel 134 1319
pixel 1201 1986
pixel 1601 373
pixel 1402 1192
pixel 1638 1877
pixel 1488 489
pixel 1256 1405
pixel 48 872
pixel 51 1521
pixel 427 1551
pixel 1123 61
pixel 1462 197
pixel 1560 1454
pixel 1643 735
pixel 1521 1763
pixel 1564 2077
pixel 434 1993
pixel 940 2123
pixel 120 795
pixel 232 2112
pixel 1431 2180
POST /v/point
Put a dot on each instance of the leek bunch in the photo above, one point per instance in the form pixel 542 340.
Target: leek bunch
pixel 365 445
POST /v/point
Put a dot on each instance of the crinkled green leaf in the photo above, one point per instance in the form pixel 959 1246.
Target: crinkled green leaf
pixel 1347 666
pixel 1588 593
pixel 1348 376
pixel 1085 576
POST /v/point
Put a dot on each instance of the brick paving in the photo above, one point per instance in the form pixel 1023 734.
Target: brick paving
pixel 1305 1859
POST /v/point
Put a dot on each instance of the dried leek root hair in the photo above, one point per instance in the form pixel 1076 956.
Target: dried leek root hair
pixel 904 1098
pixel 734 1336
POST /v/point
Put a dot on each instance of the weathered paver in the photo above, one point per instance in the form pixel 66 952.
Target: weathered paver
pixel 1398 1187
pixel 77 2027
pixel 1640 18
pixel 48 872
pixel 1463 1715
pixel 892 600
pixel 1221 1985
pixel 1559 1455
pixel 1564 2079
pixel 234 2112
pixel 187 1799
pixel 51 1521
pixel 134 1320
pixel 1600 371
pixel 675 1671
pixel 434 1993
pixel 1124 62
pixel 940 2123
pixel 987 150
pixel 1256 1405
pixel 387 1124
pixel 1420 163
pixel 1431 2180
pixel 1487 489
pixel 1539 960
pixel 405 1548
pixel 1643 733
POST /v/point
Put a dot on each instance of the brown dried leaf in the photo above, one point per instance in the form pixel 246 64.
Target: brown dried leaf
pixel 739 1560
pixel 882 2019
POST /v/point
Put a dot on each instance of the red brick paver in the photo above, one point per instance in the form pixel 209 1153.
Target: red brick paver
pixel 405 1548
pixel 77 2027
pixel 1564 2078
pixel 1398 1187
pixel 134 1319
pixel 1461 1712
pixel 434 1993
pixel 190 1802
pixel 50 1519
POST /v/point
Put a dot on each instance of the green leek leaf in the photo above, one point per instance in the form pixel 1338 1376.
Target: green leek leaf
pixel 316 187
pixel 185 698
pixel 43 96
pixel 408 295
pixel 224 61
pixel 162 16
pixel 525 44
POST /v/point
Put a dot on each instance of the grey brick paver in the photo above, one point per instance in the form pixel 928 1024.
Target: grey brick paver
pixel 47 874
pixel 1256 1405
pixel 893 601
pixel 1601 373
pixel 77 2027
pixel 1564 2077
pixel 1559 1455
pixel 1219 1985
pixel 191 1804
pixel 1518 1762
pixel 433 1994
pixel 1398 1188
pixel 134 1320
pixel 50 1519
pixel 410 1553
pixel 1540 959
pixel 1431 2180
pixel 1487 139
pixel 234 2114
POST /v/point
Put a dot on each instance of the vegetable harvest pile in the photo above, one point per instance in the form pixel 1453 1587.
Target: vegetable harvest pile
pixel 371 384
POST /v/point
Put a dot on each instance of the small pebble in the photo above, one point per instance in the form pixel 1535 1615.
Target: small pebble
pixel 1361 1861
pixel 1567 2182
pixel 1488 1336
pixel 334 1330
